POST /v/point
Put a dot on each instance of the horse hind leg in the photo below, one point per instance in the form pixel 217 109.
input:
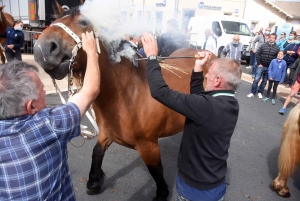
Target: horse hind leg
pixel 150 154
pixel 96 174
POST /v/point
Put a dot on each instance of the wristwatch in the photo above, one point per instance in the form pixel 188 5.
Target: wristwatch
pixel 152 57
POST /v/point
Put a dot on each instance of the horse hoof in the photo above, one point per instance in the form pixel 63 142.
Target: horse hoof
pixel 93 191
pixel 284 194
pixel 276 187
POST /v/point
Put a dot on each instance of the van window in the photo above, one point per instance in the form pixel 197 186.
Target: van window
pixel 236 28
pixel 216 28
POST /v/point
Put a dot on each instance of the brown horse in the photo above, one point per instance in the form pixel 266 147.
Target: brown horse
pixel 289 156
pixel 6 20
pixel 125 110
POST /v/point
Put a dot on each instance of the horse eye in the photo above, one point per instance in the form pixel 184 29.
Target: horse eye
pixel 83 22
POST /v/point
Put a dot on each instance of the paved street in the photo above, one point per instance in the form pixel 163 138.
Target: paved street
pixel 252 162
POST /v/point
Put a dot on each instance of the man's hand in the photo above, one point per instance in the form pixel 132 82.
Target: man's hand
pixel 10 46
pixel 254 51
pixel 260 65
pixel 88 44
pixel 270 78
pixel 199 64
pixel 149 44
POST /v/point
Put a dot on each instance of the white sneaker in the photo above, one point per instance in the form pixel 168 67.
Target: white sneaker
pixel 249 67
pixel 259 95
pixel 250 95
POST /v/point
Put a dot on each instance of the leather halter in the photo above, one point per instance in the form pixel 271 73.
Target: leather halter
pixel 71 92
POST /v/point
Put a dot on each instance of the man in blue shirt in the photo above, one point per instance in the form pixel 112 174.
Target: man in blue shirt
pixel 33 138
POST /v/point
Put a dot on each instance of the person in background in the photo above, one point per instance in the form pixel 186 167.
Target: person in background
pixel 281 39
pixel 265 54
pixel 234 49
pixel 33 138
pixel 252 54
pixel 14 41
pixel 295 76
pixel 290 40
pixel 206 138
pixel 291 56
pixel 209 43
pixel 257 42
pixel 276 74
pixel 172 40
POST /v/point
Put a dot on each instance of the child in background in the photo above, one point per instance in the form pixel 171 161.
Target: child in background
pixel 276 73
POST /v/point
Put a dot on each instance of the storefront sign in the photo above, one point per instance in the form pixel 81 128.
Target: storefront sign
pixel 202 6
pixel 163 4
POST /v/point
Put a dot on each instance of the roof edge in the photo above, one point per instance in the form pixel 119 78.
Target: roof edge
pixel 278 9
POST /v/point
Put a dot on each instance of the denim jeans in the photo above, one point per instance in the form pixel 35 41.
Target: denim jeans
pixel 261 72
pixel 254 66
pixel 252 58
pixel 180 198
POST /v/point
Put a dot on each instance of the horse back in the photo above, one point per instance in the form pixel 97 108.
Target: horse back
pixel 125 108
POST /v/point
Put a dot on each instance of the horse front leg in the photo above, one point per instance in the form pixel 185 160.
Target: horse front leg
pixel 279 184
pixel 150 154
pixel 96 175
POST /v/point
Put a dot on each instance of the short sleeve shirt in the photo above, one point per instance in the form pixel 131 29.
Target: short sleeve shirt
pixel 33 154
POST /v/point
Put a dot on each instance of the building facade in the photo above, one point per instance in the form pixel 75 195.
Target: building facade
pixel 258 13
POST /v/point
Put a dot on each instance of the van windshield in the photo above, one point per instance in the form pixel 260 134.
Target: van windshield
pixel 236 28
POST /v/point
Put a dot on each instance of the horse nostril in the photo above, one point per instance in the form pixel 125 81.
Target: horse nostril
pixel 53 46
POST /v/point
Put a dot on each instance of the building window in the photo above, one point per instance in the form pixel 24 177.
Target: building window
pixel 253 26
pixel 186 16
pixel 148 16
pixel 271 25
pixel 124 16
pixel 158 22
pixel 140 15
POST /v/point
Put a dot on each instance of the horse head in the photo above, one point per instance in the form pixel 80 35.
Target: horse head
pixel 61 42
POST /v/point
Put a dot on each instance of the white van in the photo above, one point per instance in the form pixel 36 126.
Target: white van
pixel 224 28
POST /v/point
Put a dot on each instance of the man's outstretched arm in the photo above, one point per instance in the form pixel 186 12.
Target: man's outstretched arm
pixel 91 85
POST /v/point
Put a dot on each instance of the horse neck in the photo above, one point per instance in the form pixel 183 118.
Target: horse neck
pixel 2 22
pixel 122 74
pixel 5 22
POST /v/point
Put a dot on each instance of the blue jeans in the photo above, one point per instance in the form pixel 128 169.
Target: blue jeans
pixel 254 67
pixel 261 72
pixel 252 58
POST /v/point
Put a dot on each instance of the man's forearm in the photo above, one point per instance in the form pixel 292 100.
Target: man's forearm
pixel 92 78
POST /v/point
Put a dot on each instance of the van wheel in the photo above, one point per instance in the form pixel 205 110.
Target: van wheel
pixel 220 54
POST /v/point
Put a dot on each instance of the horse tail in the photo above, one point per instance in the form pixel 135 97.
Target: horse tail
pixel 289 155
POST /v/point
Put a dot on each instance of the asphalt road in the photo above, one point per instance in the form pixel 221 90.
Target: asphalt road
pixel 252 162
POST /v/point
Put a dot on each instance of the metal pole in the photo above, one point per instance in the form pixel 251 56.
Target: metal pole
pixel 10 7
pixel 19 10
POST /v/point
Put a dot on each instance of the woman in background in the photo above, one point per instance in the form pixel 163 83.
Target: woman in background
pixel 14 41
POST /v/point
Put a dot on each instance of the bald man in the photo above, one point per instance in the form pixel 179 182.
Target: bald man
pixel 234 49
pixel 209 43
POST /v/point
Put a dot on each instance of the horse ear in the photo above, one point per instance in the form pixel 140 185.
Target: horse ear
pixel 57 9
pixel 82 2
pixel 1 7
